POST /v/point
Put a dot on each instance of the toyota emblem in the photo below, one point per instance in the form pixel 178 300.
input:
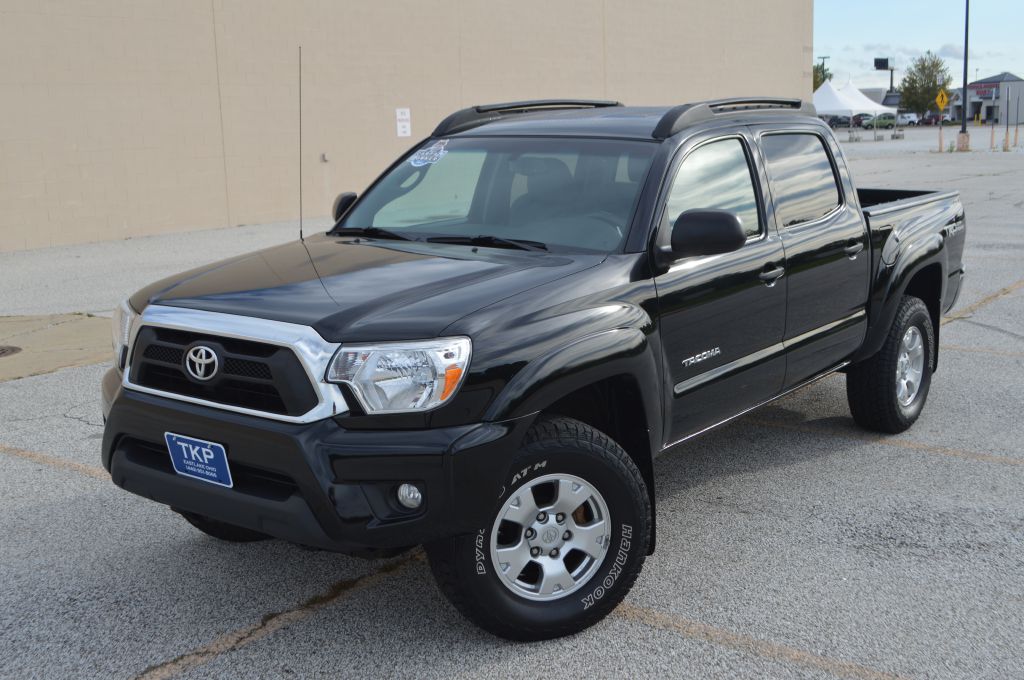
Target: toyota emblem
pixel 201 363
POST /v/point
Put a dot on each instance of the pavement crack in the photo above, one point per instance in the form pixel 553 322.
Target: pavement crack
pixel 81 419
pixel 272 622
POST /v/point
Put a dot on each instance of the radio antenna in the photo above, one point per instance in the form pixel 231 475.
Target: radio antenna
pixel 300 143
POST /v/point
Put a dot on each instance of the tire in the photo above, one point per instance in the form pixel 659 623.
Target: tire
pixel 879 400
pixel 558 453
pixel 220 530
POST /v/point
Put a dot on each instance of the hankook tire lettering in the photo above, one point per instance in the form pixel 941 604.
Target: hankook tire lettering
pixel 613 574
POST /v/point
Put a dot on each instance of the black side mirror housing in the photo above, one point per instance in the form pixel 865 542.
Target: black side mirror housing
pixel 342 203
pixel 706 232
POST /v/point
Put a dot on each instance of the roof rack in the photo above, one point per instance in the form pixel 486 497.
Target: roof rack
pixel 679 117
pixel 478 115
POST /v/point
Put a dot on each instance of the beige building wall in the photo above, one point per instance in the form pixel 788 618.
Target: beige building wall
pixel 123 118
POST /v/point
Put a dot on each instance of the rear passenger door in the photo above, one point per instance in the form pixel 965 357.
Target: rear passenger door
pixel 825 239
pixel 721 316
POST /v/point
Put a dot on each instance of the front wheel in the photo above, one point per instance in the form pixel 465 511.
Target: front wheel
pixel 565 543
pixel 887 391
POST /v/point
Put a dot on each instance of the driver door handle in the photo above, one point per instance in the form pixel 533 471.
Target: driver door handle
pixel 852 248
pixel 771 274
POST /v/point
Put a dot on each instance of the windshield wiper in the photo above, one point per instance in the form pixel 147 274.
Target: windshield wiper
pixel 372 232
pixel 490 242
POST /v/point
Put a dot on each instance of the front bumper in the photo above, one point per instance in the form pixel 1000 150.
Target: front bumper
pixel 315 483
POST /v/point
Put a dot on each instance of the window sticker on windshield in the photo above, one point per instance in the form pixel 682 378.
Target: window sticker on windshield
pixel 429 155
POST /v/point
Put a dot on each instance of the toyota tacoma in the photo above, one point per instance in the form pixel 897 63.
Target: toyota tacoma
pixel 491 345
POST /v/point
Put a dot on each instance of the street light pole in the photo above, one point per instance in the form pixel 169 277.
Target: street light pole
pixel 964 142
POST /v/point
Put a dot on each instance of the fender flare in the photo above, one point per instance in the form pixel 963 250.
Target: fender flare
pixel 890 286
pixel 585 361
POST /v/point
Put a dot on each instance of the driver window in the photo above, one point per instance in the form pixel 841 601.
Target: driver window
pixel 714 176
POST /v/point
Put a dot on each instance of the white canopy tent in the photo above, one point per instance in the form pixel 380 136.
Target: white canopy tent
pixel 864 104
pixel 847 100
pixel 829 101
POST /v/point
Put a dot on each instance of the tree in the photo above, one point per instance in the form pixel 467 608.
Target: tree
pixel 821 74
pixel 922 82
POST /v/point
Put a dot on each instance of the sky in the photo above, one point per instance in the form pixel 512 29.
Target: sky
pixel 853 33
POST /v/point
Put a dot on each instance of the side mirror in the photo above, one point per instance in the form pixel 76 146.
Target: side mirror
pixel 707 232
pixel 342 203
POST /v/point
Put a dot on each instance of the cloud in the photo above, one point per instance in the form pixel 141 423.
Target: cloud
pixel 949 51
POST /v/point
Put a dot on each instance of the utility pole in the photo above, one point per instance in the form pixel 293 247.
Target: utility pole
pixel 823 63
pixel 963 142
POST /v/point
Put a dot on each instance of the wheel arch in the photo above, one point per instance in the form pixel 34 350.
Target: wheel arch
pixel 922 276
pixel 599 381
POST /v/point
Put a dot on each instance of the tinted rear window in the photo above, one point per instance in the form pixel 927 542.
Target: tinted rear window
pixel 802 180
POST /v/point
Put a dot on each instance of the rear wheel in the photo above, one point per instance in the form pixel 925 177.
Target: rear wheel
pixel 565 542
pixel 221 530
pixel 887 392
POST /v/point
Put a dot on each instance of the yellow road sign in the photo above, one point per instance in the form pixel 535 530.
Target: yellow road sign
pixel 942 100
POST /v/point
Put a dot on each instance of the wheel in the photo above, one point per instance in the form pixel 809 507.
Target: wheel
pixel 565 542
pixel 221 530
pixel 887 392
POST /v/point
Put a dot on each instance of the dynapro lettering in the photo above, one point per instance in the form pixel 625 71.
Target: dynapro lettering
pixel 613 574
pixel 479 547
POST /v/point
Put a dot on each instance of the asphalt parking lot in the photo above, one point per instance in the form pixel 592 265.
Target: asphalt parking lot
pixel 791 544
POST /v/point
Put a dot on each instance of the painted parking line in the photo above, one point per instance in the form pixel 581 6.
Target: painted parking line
pixel 271 623
pixel 56 462
pixel 697 630
pixel 987 300
pixel 885 440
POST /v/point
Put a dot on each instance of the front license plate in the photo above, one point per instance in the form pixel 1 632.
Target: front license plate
pixel 199 459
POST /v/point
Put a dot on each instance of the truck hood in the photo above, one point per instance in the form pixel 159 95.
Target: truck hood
pixel 363 290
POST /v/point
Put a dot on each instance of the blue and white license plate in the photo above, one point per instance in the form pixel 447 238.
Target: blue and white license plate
pixel 199 459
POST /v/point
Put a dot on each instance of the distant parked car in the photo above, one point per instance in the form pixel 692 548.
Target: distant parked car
pixel 861 118
pixel 935 119
pixel 882 120
pixel 838 121
pixel 907 119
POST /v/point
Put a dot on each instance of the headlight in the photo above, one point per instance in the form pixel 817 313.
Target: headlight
pixel 121 329
pixel 398 377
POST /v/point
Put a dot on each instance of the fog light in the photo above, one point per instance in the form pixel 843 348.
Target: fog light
pixel 409 495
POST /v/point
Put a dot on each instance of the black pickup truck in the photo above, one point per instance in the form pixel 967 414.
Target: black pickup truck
pixel 493 342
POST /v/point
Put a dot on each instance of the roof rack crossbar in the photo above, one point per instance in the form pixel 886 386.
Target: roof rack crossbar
pixel 480 114
pixel 679 117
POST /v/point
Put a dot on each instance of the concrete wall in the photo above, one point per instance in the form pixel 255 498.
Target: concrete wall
pixel 123 118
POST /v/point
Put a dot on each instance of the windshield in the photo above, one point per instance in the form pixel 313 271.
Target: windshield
pixel 567 193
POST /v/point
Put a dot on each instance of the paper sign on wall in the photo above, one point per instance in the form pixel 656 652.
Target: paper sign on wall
pixel 403 122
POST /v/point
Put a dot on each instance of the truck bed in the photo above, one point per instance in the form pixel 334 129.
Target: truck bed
pixel 883 200
pixel 900 216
